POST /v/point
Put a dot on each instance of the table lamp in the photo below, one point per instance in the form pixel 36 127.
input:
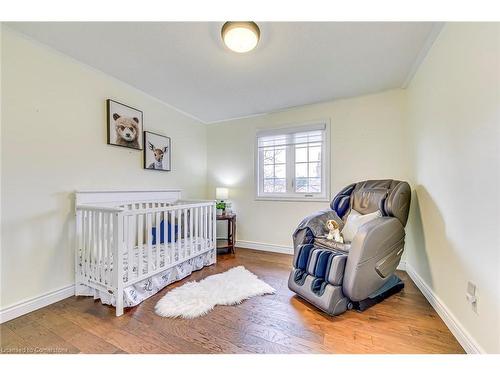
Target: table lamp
pixel 221 194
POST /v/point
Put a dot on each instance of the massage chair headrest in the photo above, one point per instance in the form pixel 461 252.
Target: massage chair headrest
pixel 391 197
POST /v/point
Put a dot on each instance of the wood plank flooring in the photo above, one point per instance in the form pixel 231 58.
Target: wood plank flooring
pixel 281 323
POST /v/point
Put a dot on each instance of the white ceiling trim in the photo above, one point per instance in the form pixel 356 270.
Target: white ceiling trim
pixel 436 30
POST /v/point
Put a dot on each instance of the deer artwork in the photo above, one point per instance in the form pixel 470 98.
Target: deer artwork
pixel 158 153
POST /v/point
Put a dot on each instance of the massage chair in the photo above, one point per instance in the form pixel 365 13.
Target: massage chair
pixel 336 276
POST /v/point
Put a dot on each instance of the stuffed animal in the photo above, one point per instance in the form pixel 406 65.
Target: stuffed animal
pixel 334 231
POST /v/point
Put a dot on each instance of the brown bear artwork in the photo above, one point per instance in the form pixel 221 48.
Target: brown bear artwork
pixel 126 131
pixel 124 125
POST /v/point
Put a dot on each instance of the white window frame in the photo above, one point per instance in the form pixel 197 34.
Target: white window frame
pixel 290 195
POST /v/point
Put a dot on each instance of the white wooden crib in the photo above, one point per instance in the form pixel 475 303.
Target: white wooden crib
pixel 120 257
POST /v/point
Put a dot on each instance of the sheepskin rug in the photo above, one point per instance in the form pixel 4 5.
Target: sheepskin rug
pixel 195 299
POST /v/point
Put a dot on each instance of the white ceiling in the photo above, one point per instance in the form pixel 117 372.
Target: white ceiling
pixel 186 65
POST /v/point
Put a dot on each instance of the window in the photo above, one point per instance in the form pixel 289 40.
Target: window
pixel 292 163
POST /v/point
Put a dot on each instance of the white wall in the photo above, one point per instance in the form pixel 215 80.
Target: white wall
pixel 54 142
pixel 368 140
pixel 454 117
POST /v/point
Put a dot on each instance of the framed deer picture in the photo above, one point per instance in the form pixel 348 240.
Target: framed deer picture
pixel 157 152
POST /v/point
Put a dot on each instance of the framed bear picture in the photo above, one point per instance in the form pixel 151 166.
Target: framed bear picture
pixel 124 125
pixel 157 152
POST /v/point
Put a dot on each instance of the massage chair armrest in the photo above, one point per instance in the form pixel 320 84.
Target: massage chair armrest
pixel 374 255
pixel 312 226
pixel 316 223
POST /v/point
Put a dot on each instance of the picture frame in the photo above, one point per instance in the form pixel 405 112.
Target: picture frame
pixel 124 125
pixel 157 152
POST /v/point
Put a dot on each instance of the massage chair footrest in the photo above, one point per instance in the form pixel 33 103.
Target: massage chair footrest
pixel 325 296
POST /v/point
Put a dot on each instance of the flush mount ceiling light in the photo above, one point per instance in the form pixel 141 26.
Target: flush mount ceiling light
pixel 240 36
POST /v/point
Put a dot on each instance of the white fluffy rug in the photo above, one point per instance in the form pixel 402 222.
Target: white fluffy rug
pixel 195 299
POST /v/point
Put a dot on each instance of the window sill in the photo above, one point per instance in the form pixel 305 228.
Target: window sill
pixel 292 199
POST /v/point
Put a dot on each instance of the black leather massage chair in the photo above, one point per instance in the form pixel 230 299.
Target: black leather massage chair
pixel 337 276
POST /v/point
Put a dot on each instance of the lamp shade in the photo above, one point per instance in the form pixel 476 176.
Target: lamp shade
pixel 221 193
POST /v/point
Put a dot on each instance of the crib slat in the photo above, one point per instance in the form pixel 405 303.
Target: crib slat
pixel 130 251
pixel 204 228
pixel 140 244
pixel 100 239
pixel 85 241
pixel 103 247
pixel 171 247
pixel 104 238
pixel 200 234
pixel 179 227
pixel 214 229
pixel 165 241
pixel 109 253
pixel 94 245
pixel 185 245
pixel 191 252
pixel 89 243
pixel 157 229
pixel 107 244
pixel 197 229
pixel 149 239
pixel 209 218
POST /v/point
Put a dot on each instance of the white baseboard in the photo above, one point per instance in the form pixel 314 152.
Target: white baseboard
pixel 402 266
pixel 463 337
pixel 36 303
pixel 265 247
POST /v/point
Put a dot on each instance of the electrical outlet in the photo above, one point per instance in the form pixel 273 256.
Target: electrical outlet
pixel 471 295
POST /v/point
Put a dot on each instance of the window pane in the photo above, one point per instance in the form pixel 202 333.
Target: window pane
pixel 268 171
pixel 280 185
pixel 301 170
pixel 314 153
pixel 315 185
pixel 268 185
pixel 300 154
pixel 301 185
pixel 277 165
pixel 280 171
pixel 280 155
pixel 314 170
pixel 269 156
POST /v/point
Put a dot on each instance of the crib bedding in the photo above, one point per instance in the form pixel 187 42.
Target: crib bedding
pixel 138 292
pixel 172 254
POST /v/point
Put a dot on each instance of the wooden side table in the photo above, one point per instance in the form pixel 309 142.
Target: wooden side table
pixel 228 243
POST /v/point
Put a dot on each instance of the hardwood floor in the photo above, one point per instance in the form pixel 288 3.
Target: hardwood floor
pixel 281 323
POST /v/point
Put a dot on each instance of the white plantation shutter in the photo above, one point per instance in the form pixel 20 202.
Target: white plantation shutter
pixel 291 136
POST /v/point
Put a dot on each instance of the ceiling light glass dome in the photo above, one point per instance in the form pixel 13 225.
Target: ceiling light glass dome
pixel 240 37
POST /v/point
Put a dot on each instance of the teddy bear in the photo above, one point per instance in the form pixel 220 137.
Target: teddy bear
pixel 334 231
pixel 127 131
